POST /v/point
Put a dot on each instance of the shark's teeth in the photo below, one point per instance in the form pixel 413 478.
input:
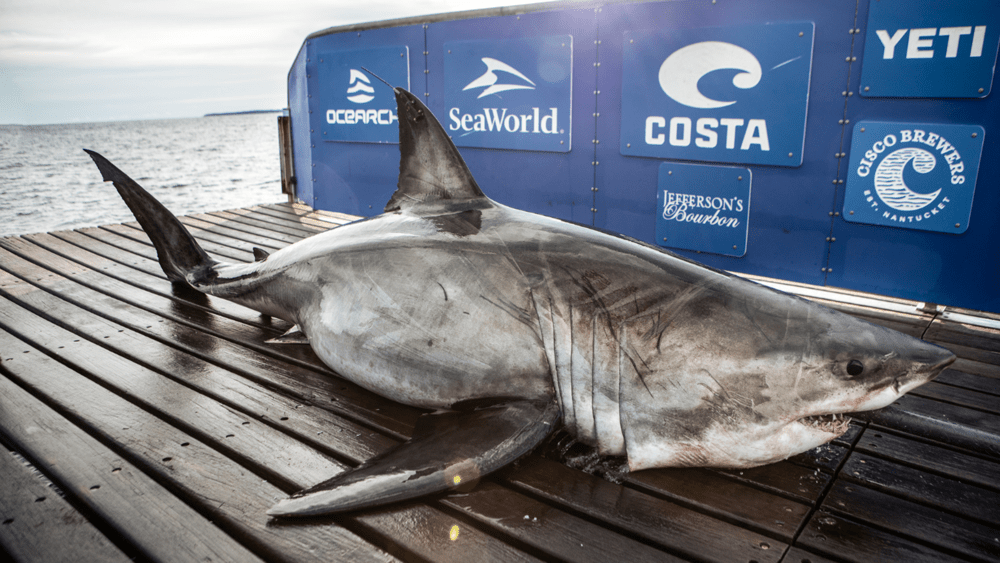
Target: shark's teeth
pixel 836 423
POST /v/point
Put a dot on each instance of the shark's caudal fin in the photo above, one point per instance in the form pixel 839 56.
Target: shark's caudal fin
pixel 430 167
pixel 180 256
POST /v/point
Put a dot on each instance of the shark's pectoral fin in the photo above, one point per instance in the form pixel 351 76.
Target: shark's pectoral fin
pixel 447 451
pixel 291 336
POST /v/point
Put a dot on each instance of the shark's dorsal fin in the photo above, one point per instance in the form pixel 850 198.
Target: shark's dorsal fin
pixel 430 168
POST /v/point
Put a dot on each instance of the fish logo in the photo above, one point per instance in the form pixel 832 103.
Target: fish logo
pixel 360 83
pixel 681 71
pixel 489 79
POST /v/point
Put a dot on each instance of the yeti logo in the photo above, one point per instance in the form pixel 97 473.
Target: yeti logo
pixel 681 71
pixel 489 79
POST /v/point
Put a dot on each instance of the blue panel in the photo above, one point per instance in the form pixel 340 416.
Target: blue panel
pixel 930 48
pixel 913 175
pixel 356 105
pixel 703 208
pixel 356 177
pixel 722 94
pixel 551 183
pixel 790 218
pixel 492 103
pixel 298 111
pixel 959 270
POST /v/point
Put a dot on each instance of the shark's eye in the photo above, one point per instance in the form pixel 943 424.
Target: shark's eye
pixel 854 367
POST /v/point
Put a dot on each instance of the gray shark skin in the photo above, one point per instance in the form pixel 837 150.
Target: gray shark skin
pixel 520 323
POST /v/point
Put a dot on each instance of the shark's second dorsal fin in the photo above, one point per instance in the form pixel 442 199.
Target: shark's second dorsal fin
pixel 430 168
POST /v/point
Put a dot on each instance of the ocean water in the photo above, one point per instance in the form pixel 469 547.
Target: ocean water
pixel 47 182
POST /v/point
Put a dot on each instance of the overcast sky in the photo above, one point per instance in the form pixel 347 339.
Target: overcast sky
pixel 70 61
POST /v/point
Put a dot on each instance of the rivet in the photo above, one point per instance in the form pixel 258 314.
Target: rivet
pixel 790 155
pixel 664 239
pixel 844 93
pixel 957 225
pixel 628 145
pixel 801 34
pixel 734 247
pixel 426 71
pixel 633 41
pixel 852 213
pixel 837 213
pixel 834 180
pixel 981 90
pixel 849 94
pixel 847 121
pixel 562 142
pixel 974 135
pixel 831 214
pixel 840 121
pixel 739 177
pixel 669 172
pixel 862 129
pixel 848 59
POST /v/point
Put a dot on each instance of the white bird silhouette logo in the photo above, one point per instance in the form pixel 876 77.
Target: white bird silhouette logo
pixel 489 79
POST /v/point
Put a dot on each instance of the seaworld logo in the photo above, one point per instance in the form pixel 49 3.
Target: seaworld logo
pixel 489 79
pixel 890 157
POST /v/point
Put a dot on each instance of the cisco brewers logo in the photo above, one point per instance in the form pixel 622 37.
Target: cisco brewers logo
pixel 914 175
pixel 887 160
pixel 500 119
pixel 722 94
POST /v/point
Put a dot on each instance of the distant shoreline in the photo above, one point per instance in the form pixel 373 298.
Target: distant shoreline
pixel 244 112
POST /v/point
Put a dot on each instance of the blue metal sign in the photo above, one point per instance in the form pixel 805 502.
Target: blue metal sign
pixel 721 94
pixel 704 208
pixel 913 175
pixel 930 48
pixel 510 94
pixel 357 106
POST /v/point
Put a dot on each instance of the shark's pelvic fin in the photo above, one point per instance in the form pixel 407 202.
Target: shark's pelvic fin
pixel 430 167
pixel 180 256
pixel 259 254
pixel 447 451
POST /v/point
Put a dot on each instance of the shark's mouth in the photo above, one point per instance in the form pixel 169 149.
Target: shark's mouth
pixel 832 423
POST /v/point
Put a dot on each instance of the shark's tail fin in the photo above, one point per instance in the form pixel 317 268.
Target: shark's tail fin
pixel 180 256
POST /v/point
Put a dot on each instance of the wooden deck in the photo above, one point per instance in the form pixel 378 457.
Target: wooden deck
pixel 150 425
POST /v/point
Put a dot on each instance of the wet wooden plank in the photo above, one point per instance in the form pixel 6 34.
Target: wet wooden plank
pixel 965 468
pixel 972 381
pixel 713 494
pixel 241 229
pixel 846 540
pixel 958 396
pixel 549 529
pixel 255 396
pixel 263 216
pixel 679 530
pixel 226 235
pixel 235 497
pixel 153 520
pixel 37 524
pixel 122 268
pixel 915 522
pixel 275 224
pixel 949 495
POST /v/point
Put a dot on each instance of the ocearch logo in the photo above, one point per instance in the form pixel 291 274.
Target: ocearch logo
pixel 360 83
pixel 681 71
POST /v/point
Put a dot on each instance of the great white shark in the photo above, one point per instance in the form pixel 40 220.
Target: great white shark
pixel 513 324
